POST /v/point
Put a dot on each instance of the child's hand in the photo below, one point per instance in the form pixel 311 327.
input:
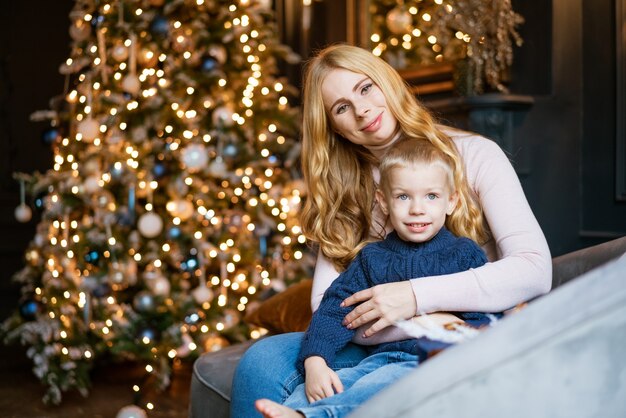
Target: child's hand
pixel 321 380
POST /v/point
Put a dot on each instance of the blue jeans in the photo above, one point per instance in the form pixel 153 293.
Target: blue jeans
pixel 268 370
pixel 360 383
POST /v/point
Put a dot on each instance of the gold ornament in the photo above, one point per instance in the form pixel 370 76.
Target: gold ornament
pixel 180 208
pixel 399 20
pixel 80 30
pixel 119 52
pixel 147 58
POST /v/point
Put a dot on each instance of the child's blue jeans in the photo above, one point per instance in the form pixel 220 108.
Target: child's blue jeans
pixel 360 383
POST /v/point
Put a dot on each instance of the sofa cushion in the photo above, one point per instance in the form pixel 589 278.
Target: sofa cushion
pixel 287 311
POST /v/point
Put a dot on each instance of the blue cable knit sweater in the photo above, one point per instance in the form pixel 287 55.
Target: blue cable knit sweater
pixel 390 260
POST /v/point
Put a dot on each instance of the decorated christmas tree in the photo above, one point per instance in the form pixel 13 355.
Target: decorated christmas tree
pixel 173 198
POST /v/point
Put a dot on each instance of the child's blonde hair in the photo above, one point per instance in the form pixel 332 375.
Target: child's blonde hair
pixel 412 151
pixel 466 219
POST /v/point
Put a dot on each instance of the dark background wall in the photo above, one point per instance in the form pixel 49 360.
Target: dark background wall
pixel 567 64
pixel 34 41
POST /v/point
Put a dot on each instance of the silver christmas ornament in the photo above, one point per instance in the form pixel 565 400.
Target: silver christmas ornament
pixel 195 157
pixel 144 301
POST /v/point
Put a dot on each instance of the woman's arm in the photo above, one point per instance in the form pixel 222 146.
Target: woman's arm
pixel 523 269
pixel 324 275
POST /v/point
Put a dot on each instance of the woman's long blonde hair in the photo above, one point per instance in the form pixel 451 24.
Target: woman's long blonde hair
pixel 337 213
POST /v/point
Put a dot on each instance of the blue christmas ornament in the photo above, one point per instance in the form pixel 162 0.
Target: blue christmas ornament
pixel 96 19
pixel 144 301
pixel 208 64
pixel 101 290
pixel 29 309
pixel 124 218
pixel 230 150
pixel 149 333
pixel 159 170
pixel 40 200
pixel 50 136
pixel 160 26
pixel 192 318
pixel 263 245
pixel 173 232
pixel 272 159
pixel 92 257
pixel 190 264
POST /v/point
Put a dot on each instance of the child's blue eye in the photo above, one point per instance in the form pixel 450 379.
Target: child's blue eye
pixel 431 196
pixel 341 109
pixel 366 88
pixel 403 197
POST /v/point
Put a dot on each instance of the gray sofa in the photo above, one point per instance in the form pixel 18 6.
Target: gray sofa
pixel 559 357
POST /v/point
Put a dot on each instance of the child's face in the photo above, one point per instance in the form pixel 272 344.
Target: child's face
pixel 417 201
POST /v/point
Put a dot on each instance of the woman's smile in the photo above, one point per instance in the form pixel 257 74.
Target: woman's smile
pixel 374 125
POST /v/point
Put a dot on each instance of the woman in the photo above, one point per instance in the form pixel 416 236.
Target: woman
pixel 355 106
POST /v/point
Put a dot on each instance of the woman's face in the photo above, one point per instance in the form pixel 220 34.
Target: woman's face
pixel 358 110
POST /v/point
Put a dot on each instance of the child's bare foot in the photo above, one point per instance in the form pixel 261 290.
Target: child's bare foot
pixel 271 409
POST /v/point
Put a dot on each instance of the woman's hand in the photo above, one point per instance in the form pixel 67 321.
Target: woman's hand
pixel 383 303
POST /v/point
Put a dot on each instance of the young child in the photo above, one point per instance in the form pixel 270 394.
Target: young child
pixel 417 193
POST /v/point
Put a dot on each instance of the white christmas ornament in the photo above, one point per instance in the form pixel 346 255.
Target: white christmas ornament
pixel 131 84
pixel 131 411
pixel 223 116
pixel 91 184
pixel 150 224
pixel 160 286
pixel 89 129
pixel 218 168
pixel 202 294
pixel 23 213
pixel 195 157
pixel 399 21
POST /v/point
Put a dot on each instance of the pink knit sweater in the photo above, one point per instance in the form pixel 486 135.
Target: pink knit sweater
pixel 520 265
